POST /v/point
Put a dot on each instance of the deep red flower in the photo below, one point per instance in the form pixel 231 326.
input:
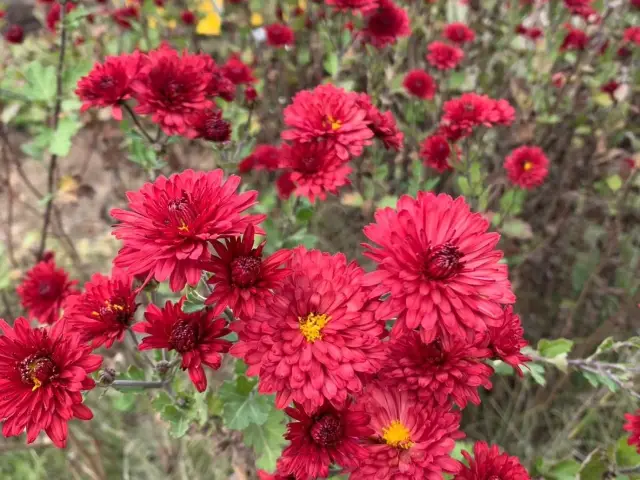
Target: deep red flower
pixel 506 340
pixel 354 5
pixel 575 39
pixel 420 84
pixel 171 88
pixel 241 277
pixel 53 15
pixel 324 437
pixel 635 3
pixel 633 427
pixel 413 439
pixel 329 113
pixel 125 16
pixel 383 125
pixel 285 185
pixel 197 337
pixel 264 157
pixel 237 71
pixel 444 56
pixel 171 221
pixel 527 167
pixel 610 87
pixel 209 125
pixel 582 8
pixel 188 17
pixel 458 33
pixel 14 34
pixel 109 83
pixel 443 371
pixel 488 463
pixel 279 35
pixel 502 113
pixel 435 151
pixel 104 311
pixel 318 338
pixel 42 372
pixel 632 35
pixel 385 24
pixel 44 291
pixel 277 475
pixel 461 115
pixel 440 266
pixel 250 94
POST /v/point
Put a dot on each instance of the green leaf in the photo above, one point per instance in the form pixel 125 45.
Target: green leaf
pixel 162 401
pixel 502 368
pixel 193 302
pixel 606 345
pixel 61 140
pixel 241 410
pixel 134 373
pixel 388 201
pixel 124 402
pixel 614 182
pixel 177 419
pixel 626 455
pixel 597 379
pixel 594 467
pixel 548 119
pixel 331 64
pixel 537 373
pixel 553 348
pixel 461 446
pixel 464 186
pixel 564 470
pixel 41 82
pixel 511 202
pixel 456 80
pixel 267 439
pixel 516 228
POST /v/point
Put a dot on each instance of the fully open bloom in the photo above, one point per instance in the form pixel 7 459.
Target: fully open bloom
pixel 104 311
pixel 14 34
pixel 109 83
pixel 383 125
pixel 440 266
pixel 575 39
pixel 324 437
pixel 171 221
pixel 279 35
pixel 354 5
pixel 44 291
pixel 330 113
pixel 435 151
pixel 458 33
pixel 420 84
pixel 506 340
pixel 315 169
pixel 487 463
pixel 209 125
pixel 503 113
pixel 197 337
pixel 633 427
pixel 462 114
pixel 412 439
pixel 385 24
pixel 241 278
pixel 527 167
pixel 42 373
pixel 631 35
pixel 237 71
pixel 264 157
pixel 443 371
pixel 444 56
pixel 318 337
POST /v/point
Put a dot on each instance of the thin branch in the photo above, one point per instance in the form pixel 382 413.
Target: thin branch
pixel 138 384
pixel 136 120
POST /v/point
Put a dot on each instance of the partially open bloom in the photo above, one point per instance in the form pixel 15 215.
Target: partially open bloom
pixel 53 15
pixel 241 277
pixel 458 33
pixel 435 151
pixel 104 311
pixel 237 71
pixel 462 114
pixel 318 338
pixel 444 56
pixel 527 167
pixel 209 125
pixel 443 371
pixel 264 157
pixel 188 17
pixel 383 125
pixel 285 185
pixel 108 84
pixel 171 221
pixel 487 463
pixel 412 439
pixel 420 84
pixel 575 39
pixel 42 374
pixel 279 35
pixel 14 34
pixel 506 340
pixel 324 437
pixel 171 88
pixel 315 169
pixel 330 113
pixel 385 24
pixel 633 427
pixel 197 337
pixel 44 291
pixel 439 263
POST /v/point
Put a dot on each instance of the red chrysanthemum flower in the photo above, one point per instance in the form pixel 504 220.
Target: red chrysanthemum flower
pixel 420 84
pixel 503 113
pixel 635 3
pixel 330 113
pixel 443 371
pixel 285 185
pixel 108 84
pixel 461 115
pixel 219 85
pixel 315 169
pixel 435 151
pixel 171 88
pixel 506 340
pixel 53 15
pixel 241 278
pixel 458 33
pixel 527 167
pixel 575 39
pixel 631 35
pixel 14 34
pixel 385 24
pixel 324 437
pixel 171 222
pixel 353 5
pixel 45 290
pixel 277 475
pixel 188 17
pixel 444 56
pixel 250 94
pixel 209 125
pixel 413 439
pixel 125 16
pixel 440 265
pixel 264 157
pixel 279 35
pixel 197 337
pixel 488 463
pixel 633 427
pixel 319 336
pixel 383 125
pixel 237 71
pixel 104 311
pixel 42 374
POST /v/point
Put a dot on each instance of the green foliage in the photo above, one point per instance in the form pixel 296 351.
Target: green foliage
pixel 267 439
pixel 554 348
pixel 242 404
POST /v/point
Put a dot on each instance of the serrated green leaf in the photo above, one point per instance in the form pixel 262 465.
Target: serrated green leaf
pixel 537 373
pixel 606 345
pixel 331 64
pixel 626 455
pixel 61 140
pixel 41 82
pixel 565 470
pixel 239 410
pixel 267 439
pixel 162 401
pixel 124 401
pixel 594 466
pixel 553 348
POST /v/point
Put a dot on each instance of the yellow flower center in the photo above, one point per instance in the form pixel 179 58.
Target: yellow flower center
pixel 397 435
pixel 311 326
pixel 335 124
pixel 183 227
pixel 527 166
